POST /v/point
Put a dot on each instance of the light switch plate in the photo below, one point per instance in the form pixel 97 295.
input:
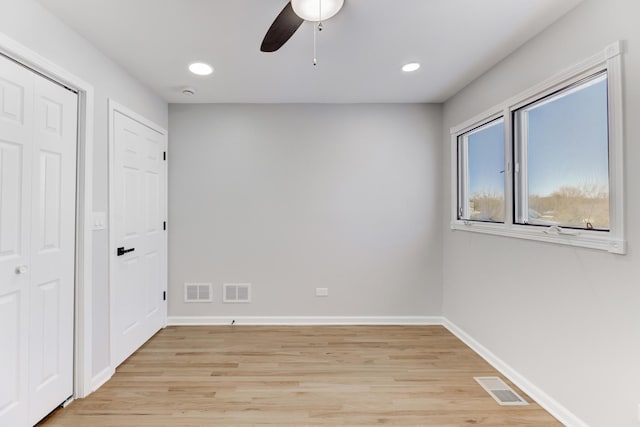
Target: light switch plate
pixel 99 220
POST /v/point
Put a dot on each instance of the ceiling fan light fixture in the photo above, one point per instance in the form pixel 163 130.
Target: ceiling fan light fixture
pixel 316 10
pixel 200 68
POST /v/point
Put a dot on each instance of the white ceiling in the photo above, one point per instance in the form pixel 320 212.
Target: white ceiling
pixel 360 50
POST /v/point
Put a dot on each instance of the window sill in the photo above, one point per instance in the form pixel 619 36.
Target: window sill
pixel 599 240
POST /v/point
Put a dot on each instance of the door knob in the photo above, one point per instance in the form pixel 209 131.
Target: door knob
pixel 22 269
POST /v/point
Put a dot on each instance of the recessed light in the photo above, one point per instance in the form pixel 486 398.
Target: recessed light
pixel 410 67
pixel 201 69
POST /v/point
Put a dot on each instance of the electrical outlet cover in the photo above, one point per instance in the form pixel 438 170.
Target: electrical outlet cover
pixel 322 292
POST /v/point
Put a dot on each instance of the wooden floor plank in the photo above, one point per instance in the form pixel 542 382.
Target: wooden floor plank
pixel 302 375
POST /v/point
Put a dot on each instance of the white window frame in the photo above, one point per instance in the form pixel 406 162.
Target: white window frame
pixel 613 241
pixel 464 207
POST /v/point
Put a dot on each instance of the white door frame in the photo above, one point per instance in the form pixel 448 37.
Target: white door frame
pixel 84 204
pixel 113 108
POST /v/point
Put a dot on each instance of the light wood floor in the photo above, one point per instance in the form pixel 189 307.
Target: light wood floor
pixel 330 375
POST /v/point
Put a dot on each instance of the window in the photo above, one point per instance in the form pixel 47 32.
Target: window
pixel 562 162
pixel 547 164
pixel 481 179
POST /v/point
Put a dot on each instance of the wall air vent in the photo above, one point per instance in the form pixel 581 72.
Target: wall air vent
pixel 236 293
pixel 198 292
pixel 500 391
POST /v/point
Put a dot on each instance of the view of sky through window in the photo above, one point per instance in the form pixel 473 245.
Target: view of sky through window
pixel 568 157
pixel 486 160
pixel 486 172
pixel 567 141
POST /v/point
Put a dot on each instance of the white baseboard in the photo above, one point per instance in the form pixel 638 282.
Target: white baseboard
pixel 102 377
pixel 561 413
pixel 303 320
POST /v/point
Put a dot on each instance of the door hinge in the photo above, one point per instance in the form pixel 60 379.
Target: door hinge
pixel 164 225
pixel 164 155
pixel 164 295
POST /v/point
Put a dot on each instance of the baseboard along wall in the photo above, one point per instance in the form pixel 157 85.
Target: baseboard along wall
pixel 102 377
pixel 551 405
pixel 303 320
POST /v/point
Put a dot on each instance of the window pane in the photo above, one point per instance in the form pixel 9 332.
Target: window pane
pixel 485 173
pixel 567 157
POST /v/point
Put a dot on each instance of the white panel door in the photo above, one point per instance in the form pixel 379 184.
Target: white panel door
pixel 38 133
pixel 16 136
pixel 52 248
pixel 138 310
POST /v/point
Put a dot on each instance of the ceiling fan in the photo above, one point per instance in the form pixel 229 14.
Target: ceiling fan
pixel 293 15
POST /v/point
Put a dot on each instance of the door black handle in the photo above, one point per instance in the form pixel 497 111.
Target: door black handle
pixel 122 251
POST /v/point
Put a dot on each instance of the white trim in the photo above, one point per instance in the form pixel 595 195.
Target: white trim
pixel 454 177
pixel 578 238
pixel 552 406
pixel 613 241
pixel 303 320
pixel 115 106
pixel 464 205
pixel 98 380
pixel 112 108
pixel 616 143
pixel 84 203
pixel 481 119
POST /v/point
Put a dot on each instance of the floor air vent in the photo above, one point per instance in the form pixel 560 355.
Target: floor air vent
pixel 198 292
pixel 236 292
pixel 500 391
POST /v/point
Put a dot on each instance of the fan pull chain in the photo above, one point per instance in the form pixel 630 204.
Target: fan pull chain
pixel 315 42
pixel 315 48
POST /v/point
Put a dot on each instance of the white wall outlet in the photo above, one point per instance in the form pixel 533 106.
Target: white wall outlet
pixel 99 220
pixel 322 292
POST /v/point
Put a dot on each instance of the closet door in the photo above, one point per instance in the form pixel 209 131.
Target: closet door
pixel 38 133
pixel 16 156
pixel 53 217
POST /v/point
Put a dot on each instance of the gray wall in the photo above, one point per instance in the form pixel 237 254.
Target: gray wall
pixel 33 26
pixel 351 198
pixel 294 197
pixel 568 319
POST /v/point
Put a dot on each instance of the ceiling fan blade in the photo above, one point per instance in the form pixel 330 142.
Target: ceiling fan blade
pixel 283 27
